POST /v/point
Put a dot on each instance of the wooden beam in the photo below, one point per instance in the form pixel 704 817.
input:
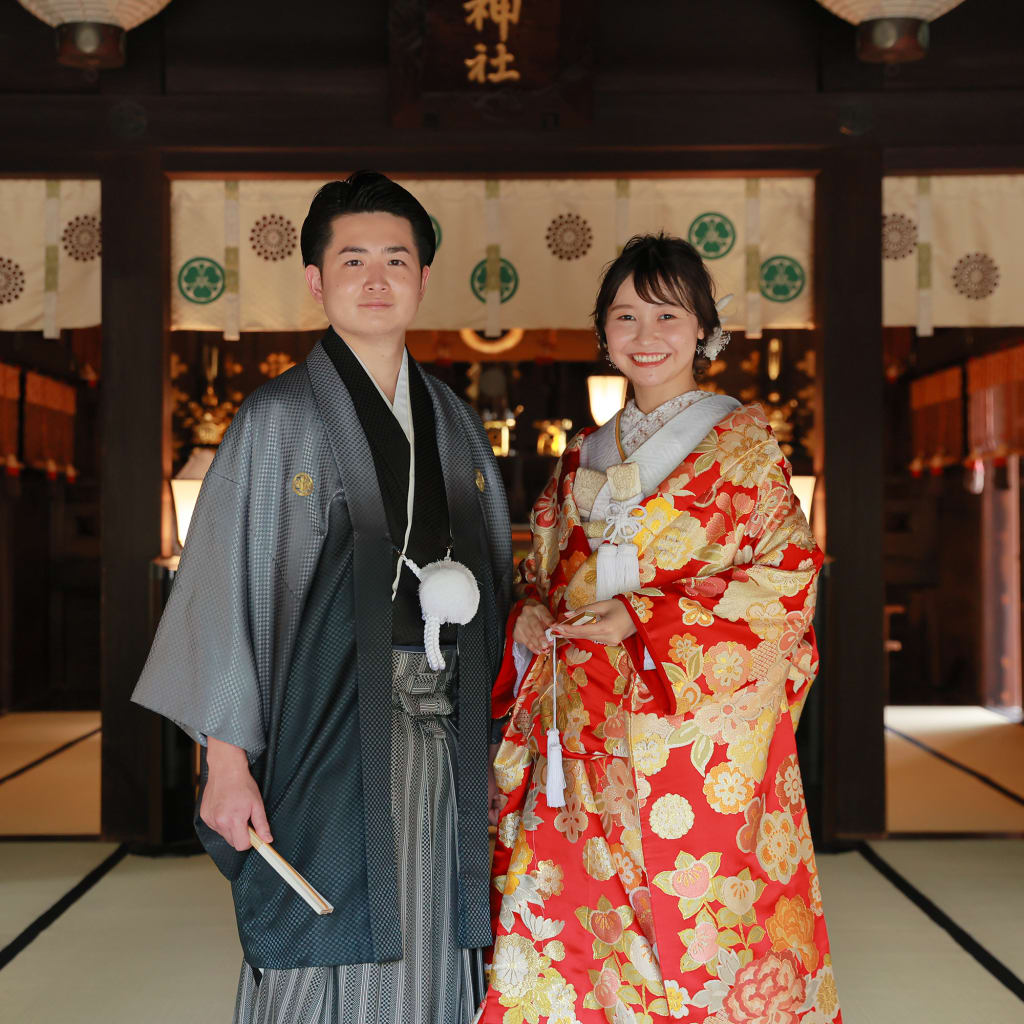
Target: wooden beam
pixel 134 465
pixel 848 303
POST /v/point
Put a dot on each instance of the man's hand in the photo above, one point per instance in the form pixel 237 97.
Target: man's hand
pixel 533 620
pixel 613 624
pixel 231 798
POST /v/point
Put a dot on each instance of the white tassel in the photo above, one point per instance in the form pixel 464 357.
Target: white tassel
pixel 554 792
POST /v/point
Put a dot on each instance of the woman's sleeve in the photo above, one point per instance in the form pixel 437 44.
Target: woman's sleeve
pixel 531 583
pixel 749 622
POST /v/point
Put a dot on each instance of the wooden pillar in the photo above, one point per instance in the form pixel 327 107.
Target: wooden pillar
pixel 132 475
pixel 850 427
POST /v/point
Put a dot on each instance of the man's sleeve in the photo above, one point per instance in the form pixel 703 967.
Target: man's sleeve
pixel 201 670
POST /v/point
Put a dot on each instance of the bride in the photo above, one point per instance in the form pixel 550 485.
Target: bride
pixel 654 858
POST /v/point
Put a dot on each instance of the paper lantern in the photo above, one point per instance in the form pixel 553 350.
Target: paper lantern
pixel 607 393
pixel 185 485
pixel 890 31
pixel 90 33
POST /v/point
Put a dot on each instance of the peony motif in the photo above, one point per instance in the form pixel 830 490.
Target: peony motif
pixel 728 720
pixel 508 829
pixel 642 957
pixel 681 648
pixel 650 753
pixel 703 947
pixel 606 988
pixel 815 896
pixel 643 606
pixel 743 455
pixel 738 894
pixel 671 816
pixel 571 819
pixel 606 925
pixel 620 799
pixel 692 883
pixel 827 999
pixel 767 619
pixel 550 878
pixel 769 990
pixel 597 859
pixel 728 789
pixel 778 848
pixel 746 837
pixel 625 867
pixel 516 967
pixel 727 666
pixel 789 787
pixel 677 998
pixel 640 901
pixel 791 926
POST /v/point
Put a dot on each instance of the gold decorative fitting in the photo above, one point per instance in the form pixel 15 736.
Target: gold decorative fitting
pixel 302 484
pixel 481 484
pixel 492 346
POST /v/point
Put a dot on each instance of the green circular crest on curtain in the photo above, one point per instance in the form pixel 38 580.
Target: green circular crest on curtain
pixel 201 280
pixel 712 235
pixel 782 279
pixel 508 275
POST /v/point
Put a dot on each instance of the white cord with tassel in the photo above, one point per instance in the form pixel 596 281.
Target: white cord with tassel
pixel 554 792
pixel 448 593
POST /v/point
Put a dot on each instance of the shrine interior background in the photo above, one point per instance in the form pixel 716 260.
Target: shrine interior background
pixel 878 393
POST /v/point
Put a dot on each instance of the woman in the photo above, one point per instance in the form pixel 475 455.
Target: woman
pixel 654 859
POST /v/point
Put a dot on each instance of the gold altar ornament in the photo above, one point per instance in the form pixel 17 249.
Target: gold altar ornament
pixel 553 436
pixel 499 433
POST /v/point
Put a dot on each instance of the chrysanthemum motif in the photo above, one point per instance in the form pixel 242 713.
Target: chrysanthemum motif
pixel 273 237
pixel 976 275
pixel 569 236
pixel 12 280
pixel 82 239
pixel 899 236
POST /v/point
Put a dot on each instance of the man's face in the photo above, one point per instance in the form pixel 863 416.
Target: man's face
pixel 371 283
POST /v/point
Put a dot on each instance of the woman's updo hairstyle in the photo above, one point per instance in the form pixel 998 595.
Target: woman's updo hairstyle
pixel 664 268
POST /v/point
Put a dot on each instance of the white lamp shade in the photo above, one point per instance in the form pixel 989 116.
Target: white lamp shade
pixel 607 395
pixel 125 13
pixel 803 488
pixel 857 11
pixel 185 488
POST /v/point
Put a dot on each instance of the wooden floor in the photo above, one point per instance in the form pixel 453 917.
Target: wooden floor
pixel 923 929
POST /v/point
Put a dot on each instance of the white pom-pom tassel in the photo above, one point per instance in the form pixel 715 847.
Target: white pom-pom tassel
pixel 448 593
pixel 554 793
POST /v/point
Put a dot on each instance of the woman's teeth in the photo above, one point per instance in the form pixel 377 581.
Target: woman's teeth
pixel 649 359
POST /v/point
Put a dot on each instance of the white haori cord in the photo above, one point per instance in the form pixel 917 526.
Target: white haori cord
pixel 448 593
pixel 554 791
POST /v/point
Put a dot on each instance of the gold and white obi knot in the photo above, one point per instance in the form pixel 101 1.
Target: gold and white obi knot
pixel 611 510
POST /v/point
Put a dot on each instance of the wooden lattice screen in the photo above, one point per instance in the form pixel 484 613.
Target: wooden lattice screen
pixel 995 386
pixel 936 404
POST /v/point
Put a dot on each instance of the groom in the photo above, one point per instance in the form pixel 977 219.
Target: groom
pixel 292 648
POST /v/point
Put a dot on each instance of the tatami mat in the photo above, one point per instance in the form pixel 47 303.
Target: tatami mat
pixel 924 794
pixel 975 737
pixel 28 735
pixel 979 883
pixel 61 796
pixel 154 941
pixel 33 876
pixel 895 966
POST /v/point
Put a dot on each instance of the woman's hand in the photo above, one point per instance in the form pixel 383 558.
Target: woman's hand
pixel 613 624
pixel 533 620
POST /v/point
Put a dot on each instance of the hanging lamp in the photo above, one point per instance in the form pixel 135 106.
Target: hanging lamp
pixel 890 31
pixel 91 33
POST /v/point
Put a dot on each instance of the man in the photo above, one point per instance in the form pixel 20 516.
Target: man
pixel 292 648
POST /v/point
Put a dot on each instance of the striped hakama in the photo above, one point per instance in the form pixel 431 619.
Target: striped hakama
pixel 436 982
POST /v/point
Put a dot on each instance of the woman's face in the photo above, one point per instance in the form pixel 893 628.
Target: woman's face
pixel 653 344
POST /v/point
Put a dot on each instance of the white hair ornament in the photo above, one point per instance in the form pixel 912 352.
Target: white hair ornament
pixel 713 345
